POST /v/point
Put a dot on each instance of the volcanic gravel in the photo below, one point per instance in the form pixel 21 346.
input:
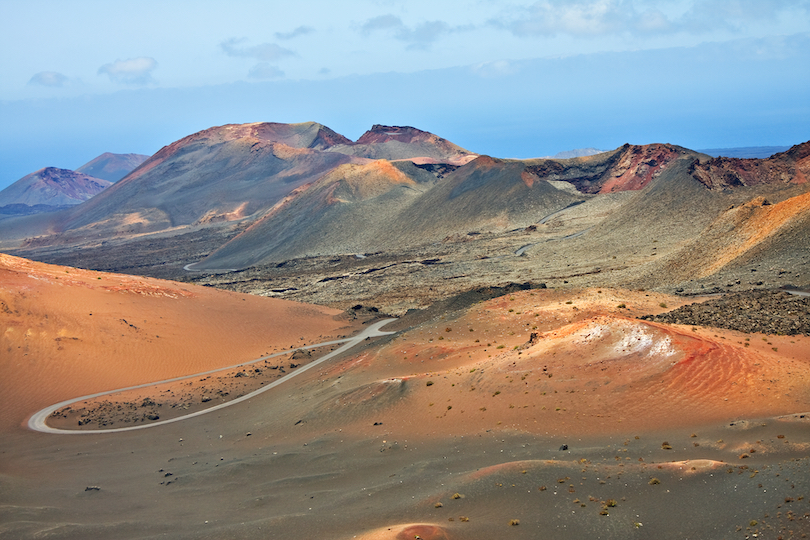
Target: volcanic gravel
pixel 759 311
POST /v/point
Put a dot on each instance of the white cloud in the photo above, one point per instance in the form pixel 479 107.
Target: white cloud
pixel 49 78
pixel 421 36
pixel 300 31
pixel 135 71
pixel 578 18
pixel 264 52
pixel 383 22
pixel 592 18
pixel 704 15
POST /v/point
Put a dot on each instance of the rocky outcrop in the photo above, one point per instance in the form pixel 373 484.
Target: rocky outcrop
pixel 764 312
pixel 791 167
pixel 628 168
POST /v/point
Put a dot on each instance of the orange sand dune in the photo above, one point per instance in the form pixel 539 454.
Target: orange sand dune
pixel 66 332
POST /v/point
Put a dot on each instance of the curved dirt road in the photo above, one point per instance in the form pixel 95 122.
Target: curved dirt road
pixel 37 422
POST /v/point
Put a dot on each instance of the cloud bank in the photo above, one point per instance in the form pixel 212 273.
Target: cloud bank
pixel 133 71
pixel 593 18
pixel 264 52
pixel 51 79
pixel 421 36
pixel 300 31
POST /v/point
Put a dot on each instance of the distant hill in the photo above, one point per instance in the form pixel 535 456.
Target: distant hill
pixel 577 152
pixel 745 152
pixel 49 189
pixel 112 167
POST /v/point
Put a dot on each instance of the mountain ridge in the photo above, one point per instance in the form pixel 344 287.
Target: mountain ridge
pixel 262 194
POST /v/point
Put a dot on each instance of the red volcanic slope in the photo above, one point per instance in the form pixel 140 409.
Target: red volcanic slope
pixel 638 166
pixel 52 186
pixel 629 167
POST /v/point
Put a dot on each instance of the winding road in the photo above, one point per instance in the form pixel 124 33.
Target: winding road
pixel 37 422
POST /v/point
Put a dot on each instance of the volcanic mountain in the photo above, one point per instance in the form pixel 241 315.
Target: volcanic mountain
pixel 262 194
pixel 228 173
pixel 112 167
pixel 486 194
pixel 49 189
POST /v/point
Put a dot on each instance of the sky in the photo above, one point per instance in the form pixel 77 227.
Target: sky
pixel 505 78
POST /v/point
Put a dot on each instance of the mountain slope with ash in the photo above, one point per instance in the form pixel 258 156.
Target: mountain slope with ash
pixel 344 211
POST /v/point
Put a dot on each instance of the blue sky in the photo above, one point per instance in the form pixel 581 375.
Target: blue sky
pixel 511 79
